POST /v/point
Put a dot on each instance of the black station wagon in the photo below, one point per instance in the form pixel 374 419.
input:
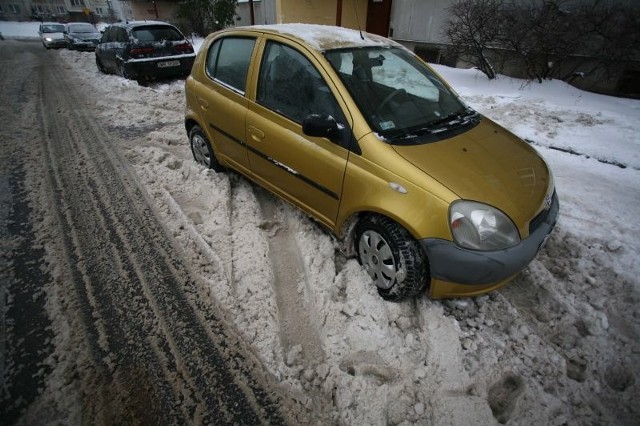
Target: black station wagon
pixel 144 50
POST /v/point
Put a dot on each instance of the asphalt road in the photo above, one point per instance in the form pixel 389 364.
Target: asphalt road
pixel 100 323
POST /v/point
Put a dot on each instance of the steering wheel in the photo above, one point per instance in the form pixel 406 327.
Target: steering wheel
pixel 388 99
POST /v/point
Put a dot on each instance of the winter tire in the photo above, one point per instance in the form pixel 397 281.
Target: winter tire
pixel 202 150
pixel 101 67
pixel 392 257
pixel 122 72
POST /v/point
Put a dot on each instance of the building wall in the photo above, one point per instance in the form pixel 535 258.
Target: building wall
pixel 56 10
pixel 153 10
pixel 322 12
pixel 419 20
pixel 264 12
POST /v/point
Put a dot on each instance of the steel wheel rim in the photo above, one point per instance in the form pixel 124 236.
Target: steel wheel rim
pixel 201 150
pixel 377 258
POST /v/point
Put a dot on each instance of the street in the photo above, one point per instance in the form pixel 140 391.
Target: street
pixel 102 325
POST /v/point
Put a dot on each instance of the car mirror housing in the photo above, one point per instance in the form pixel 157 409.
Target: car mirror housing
pixel 324 126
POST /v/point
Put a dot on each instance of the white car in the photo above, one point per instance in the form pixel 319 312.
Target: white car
pixel 52 35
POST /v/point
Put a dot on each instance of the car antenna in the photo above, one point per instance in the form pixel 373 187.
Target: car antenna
pixel 355 8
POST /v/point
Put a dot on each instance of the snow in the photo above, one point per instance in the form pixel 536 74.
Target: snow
pixel 323 37
pixel 560 344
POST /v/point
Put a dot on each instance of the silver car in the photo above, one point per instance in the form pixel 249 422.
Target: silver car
pixel 52 35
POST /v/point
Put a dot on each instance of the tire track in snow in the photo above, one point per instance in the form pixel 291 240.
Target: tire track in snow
pixel 296 328
pixel 148 355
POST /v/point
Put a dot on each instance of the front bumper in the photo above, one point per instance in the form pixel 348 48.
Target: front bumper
pixel 55 43
pixel 83 44
pixel 456 271
pixel 152 67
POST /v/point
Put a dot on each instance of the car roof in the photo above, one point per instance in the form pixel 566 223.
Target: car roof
pixel 323 37
pixel 133 24
pixel 68 24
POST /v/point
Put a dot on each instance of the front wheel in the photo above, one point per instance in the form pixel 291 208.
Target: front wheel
pixel 202 150
pixel 392 258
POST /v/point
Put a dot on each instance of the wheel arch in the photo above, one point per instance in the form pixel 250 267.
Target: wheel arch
pixel 346 231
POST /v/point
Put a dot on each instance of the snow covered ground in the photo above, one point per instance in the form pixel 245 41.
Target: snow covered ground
pixel 559 345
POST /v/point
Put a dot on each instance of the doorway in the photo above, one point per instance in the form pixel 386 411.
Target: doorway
pixel 378 17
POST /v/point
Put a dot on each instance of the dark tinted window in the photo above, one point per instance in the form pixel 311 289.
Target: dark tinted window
pixel 290 85
pixel 157 33
pixel 121 35
pixel 107 36
pixel 228 61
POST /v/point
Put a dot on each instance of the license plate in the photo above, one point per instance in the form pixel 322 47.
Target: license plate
pixel 167 64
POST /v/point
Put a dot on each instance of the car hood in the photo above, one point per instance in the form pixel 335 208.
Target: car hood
pixel 486 164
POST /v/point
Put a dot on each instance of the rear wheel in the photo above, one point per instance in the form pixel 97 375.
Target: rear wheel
pixel 101 67
pixel 122 71
pixel 202 150
pixel 392 257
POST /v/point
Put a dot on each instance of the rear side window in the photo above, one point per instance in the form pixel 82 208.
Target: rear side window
pixel 108 35
pixel 121 35
pixel 156 33
pixel 228 61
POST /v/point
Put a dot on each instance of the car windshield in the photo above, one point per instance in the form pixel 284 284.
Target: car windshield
pixel 399 97
pixel 53 28
pixel 157 33
pixel 82 28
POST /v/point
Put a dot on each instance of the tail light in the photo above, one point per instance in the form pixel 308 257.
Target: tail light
pixel 141 51
pixel 185 48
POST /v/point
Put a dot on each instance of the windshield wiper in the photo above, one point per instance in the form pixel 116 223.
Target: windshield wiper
pixel 456 119
pixel 460 118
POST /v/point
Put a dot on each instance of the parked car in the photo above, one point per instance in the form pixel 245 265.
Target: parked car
pixel 367 139
pixel 144 50
pixel 52 35
pixel 81 36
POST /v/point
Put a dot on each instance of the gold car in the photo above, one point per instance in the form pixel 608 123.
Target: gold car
pixel 367 139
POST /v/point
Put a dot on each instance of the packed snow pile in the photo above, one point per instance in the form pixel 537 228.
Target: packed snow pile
pixel 561 344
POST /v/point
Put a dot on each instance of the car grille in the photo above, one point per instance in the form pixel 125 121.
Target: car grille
pixel 541 217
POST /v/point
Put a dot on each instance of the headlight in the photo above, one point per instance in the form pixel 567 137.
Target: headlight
pixel 479 226
pixel 48 39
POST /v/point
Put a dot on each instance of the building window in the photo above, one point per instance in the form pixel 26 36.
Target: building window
pixel 99 11
pixel 41 9
pixel 62 10
pixel 77 3
pixel 1 10
pixel 14 8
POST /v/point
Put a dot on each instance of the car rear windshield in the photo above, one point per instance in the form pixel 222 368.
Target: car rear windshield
pixel 82 28
pixel 400 97
pixel 157 33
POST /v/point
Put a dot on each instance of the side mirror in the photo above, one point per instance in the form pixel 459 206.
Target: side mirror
pixel 323 126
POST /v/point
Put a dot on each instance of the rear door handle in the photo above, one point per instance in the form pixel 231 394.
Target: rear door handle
pixel 203 103
pixel 256 134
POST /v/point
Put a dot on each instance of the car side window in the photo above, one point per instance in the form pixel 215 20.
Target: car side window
pixel 228 61
pixel 290 85
pixel 121 35
pixel 107 36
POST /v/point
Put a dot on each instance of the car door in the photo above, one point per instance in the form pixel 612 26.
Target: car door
pixel 222 102
pixel 307 171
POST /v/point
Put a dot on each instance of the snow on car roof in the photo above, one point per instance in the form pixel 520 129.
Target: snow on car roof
pixel 325 37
